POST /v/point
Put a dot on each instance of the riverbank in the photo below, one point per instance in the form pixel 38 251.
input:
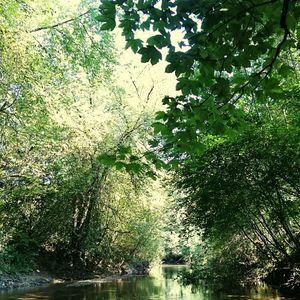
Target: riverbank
pixel 35 279
pixel 20 281
pixel 162 284
pixel 15 281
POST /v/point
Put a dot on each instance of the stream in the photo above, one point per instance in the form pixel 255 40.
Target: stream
pixel 162 284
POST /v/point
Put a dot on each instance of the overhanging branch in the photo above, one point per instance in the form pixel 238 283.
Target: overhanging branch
pixel 266 70
pixel 61 23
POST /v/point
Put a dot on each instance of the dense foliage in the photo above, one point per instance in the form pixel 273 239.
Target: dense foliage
pixel 244 195
pixel 230 53
pixel 232 133
pixel 76 166
pixel 74 195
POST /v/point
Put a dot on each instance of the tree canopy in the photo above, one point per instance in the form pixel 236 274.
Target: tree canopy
pixel 74 182
pixel 83 137
pixel 231 55
pixel 230 136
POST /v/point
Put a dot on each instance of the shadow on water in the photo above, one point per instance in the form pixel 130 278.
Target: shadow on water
pixel 162 284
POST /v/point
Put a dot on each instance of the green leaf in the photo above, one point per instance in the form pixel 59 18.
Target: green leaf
pixel 108 24
pixel 159 128
pixel 170 68
pixel 125 150
pixel 107 159
pixel 277 90
pixel 151 174
pixel 134 167
pixel 285 70
pixel 159 41
pixel 160 115
pixel 150 53
pixel 154 143
pixel 134 44
pixel 120 165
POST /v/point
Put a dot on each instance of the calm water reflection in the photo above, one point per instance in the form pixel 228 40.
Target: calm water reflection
pixel 161 285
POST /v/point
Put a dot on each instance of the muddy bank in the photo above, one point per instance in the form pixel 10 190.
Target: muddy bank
pixel 16 281
pixel 24 280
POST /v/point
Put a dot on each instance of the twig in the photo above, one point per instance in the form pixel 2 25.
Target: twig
pixel 61 23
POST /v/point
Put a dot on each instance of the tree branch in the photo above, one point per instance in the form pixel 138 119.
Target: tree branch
pixel 283 25
pixel 269 66
pixel 61 23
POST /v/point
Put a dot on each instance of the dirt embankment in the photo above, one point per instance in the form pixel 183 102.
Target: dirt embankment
pixel 24 280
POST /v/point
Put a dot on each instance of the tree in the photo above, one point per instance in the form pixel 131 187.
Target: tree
pixel 72 166
pixel 245 191
pixel 232 54
pixel 229 135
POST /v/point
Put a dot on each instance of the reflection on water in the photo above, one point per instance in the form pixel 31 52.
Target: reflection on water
pixel 161 285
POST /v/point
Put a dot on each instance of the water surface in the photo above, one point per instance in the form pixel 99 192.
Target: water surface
pixel 162 284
